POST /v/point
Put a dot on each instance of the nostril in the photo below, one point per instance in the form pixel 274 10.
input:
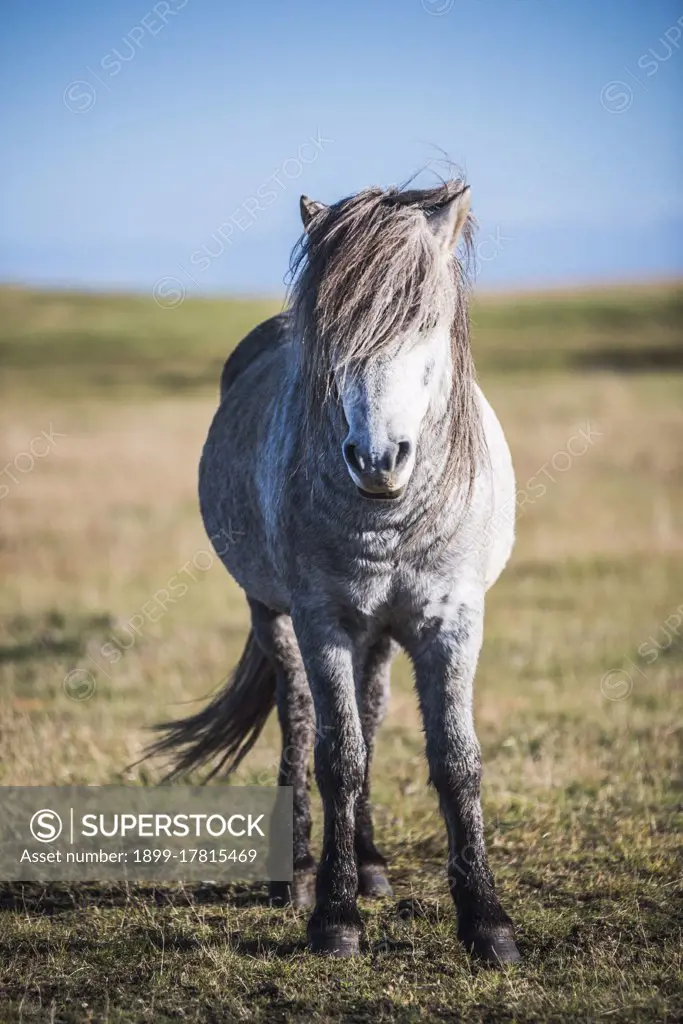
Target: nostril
pixel 351 456
pixel 404 451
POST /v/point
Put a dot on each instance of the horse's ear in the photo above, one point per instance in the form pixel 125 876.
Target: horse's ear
pixel 449 220
pixel 309 209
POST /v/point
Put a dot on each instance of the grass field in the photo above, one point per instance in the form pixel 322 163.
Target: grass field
pixel 579 689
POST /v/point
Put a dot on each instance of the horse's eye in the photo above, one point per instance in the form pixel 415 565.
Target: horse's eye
pixel 427 376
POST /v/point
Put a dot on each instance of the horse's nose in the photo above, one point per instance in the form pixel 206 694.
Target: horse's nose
pixel 375 469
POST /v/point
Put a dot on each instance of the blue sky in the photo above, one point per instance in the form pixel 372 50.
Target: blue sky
pixel 145 139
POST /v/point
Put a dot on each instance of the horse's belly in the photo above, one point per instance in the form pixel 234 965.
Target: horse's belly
pixel 232 513
pixel 500 530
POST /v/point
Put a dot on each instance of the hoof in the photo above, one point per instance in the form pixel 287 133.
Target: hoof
pixel 373 881
pixel 300 892
pixel 335 940
pixel 493 946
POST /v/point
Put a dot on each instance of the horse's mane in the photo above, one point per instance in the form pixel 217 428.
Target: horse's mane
pixel 368 270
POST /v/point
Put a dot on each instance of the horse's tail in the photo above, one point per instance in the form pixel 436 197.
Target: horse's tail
pixel 228 726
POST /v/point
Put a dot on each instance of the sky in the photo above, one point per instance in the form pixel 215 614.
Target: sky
pixel 164 145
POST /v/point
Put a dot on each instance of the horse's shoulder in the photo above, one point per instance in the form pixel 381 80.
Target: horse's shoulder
pixel 265 337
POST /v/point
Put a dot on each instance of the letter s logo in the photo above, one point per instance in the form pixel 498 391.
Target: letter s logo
pixel 46 826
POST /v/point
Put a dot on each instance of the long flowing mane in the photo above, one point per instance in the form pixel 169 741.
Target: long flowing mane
pixel 367 271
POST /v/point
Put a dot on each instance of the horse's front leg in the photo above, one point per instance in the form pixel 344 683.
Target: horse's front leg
pixel 329 655
pixel 444 651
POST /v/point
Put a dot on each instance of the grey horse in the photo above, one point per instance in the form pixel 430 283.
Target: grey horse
pixel 358 486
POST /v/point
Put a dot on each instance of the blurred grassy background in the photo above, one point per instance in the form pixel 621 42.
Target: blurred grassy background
pixel 581 733
pixel 108 342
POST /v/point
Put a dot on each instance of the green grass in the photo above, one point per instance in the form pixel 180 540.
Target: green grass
pixel 582 792
pixel 106 342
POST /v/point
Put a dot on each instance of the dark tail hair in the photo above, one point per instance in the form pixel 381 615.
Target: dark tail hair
pixel 229 726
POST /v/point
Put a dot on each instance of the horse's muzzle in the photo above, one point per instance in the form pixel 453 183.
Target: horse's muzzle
pixel 379 475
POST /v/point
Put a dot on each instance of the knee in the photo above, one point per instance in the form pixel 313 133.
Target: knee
pixel 340 762
pixel 374 713
pixel 294 704
pixel 456 775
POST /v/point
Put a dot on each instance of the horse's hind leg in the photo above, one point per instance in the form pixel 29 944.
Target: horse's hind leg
pixel 374 693
pixel 276 638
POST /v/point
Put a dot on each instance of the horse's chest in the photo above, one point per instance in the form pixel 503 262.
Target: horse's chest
pixel 380 575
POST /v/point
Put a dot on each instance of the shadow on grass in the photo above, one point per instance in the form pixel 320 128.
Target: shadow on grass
pixel 40 649
pixel 50 635
pixel 234 940
pixel 49 898
pixel 646 359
